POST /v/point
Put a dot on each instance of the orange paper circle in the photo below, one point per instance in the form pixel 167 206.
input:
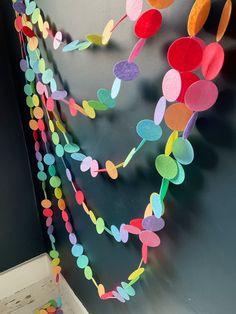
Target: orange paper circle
pixel 38 112
pixel 177 116
pixel 224 20
pixel 198 16
pixel 111 170
pixel 160 4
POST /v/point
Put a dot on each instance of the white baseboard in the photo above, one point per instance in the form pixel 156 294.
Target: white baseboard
pixel 29 273
pixel 24 275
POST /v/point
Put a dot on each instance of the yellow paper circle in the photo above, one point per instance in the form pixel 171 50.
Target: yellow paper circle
pixel 106 35
pixel 198 16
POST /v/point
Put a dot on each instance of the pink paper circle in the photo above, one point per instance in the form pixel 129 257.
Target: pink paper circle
pixel 149 238
pixel 171 85
pixel 136 50
pixel 57 40
pixel 94 168
pixel 201 95
pixel 134 9
pixel 212 61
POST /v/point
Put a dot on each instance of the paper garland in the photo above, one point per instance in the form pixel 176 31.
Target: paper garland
pixel 169 167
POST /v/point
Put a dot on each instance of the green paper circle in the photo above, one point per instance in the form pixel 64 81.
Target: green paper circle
pixel 71 148
pixel 28 90
pixel 183 151
pixel 166 166
pixel 35 16
pixel 88 273
pixel 54 254
pixel 100 225
pixel 97 105
pixel 82 261
pixel 42 176
pixel 30 75
pixel 52 170
pixel 104 96
pixel 42 65
pixel 55 182
pixel 29 102
pixel 55 138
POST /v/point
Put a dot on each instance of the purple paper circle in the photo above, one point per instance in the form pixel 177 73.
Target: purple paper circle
pixel 72 238
pixel 153 223
pixel 126 71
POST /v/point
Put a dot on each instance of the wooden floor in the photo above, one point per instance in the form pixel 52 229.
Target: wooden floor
pixel 33 297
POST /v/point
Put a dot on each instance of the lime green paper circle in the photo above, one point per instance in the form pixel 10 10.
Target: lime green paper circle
pixel 55 182
pixel 55 138
pixel 166 166
pixel 88 273
pixel 100 225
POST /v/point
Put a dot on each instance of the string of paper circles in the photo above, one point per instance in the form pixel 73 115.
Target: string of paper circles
pixel 180 85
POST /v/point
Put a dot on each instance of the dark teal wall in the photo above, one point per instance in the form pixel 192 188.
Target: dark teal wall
pixel 20 232
pixel 193 271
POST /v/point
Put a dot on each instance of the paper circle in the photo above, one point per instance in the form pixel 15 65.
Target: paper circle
pixel 128 288
pixel 49 159
pixel 171 85
pixel 148 130
pixel 148 24
pixel 116 233
pixel 190 125
pixel 177 116
pixel 71 148
pixel 77 250
pixel 157 204
pixel 201 95
pixel 187 79
pixel 183 151
pixel 153 223
pixel 94 168
pixel 212 61
pixel 100 225
pixel 179 179
pixel 106 35
pixel 104 96
pixel 126 71
pixel 57 40
pixel 185 54
pixel 55 181
pixel 198 16
pixel 79 196
pixel 149 238
pixel 160 4
pixel 85 164
pixel 224 20
pixel 166 166
pixel 159 110
pixel 136 49
pixel 123 293
pixel 88 273
pixel 124 234
pixel 111 170
pixel 134 9
pixel 82 261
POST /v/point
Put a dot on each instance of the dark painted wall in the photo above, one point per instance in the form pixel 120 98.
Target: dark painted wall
pixel 194 269
pixel 20 231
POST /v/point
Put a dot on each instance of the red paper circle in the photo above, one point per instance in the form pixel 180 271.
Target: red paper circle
pixel 212 61
pixel 137 222
pixel 201 95
pixel 185 54
pixel 148 24
pixel 187 79
pixel 28 32
pixel 79 195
